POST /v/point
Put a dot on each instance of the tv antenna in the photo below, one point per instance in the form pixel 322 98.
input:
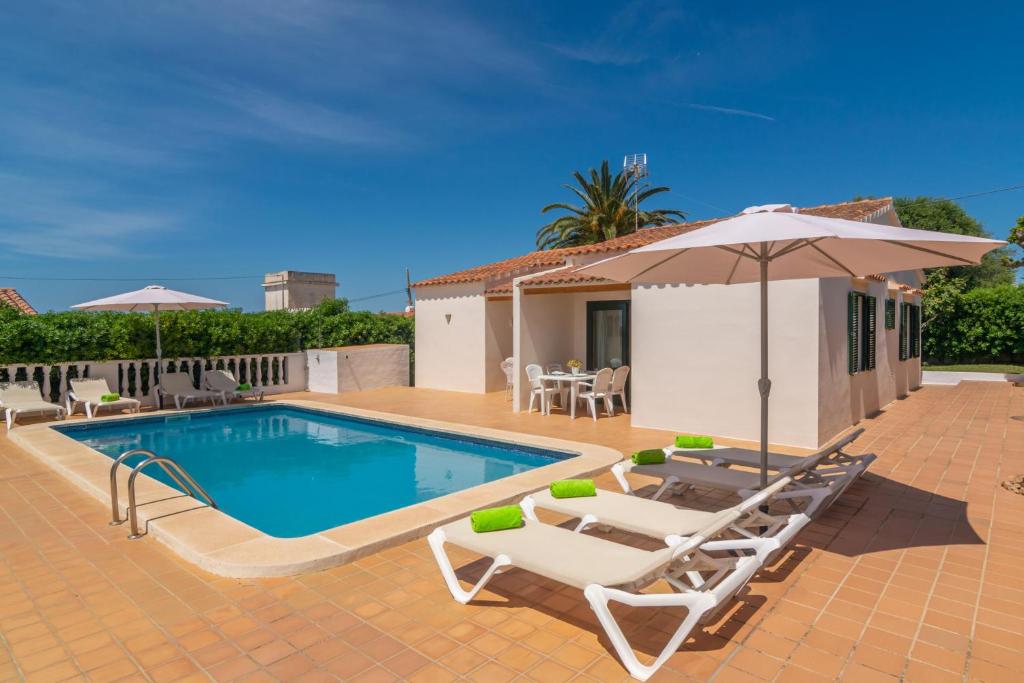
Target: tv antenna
pixel 636 166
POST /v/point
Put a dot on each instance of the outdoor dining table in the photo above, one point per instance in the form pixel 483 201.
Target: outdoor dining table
pixel 574 385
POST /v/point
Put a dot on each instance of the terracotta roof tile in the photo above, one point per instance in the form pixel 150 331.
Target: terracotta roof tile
pixel 10 296
pixel 552 258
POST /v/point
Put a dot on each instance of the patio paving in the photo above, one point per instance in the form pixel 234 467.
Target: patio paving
pixel 913 575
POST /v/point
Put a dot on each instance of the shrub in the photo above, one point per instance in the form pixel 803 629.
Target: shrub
pixel 978 326
pixel 76 336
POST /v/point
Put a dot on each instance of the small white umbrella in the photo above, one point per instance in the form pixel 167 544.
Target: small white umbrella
pixel 779 243
pixel 154 298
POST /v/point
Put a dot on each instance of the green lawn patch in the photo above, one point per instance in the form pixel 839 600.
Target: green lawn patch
pixel 979 367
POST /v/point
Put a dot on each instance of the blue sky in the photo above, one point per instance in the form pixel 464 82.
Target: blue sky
pixel 234 137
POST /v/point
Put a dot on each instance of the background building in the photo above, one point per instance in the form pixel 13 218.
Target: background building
pixel 294 290
pixel 10 297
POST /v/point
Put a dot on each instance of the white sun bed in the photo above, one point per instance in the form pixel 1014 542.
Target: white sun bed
pixel 728 455
pixel 89 392
pixel 612 572
pixel 224 382
pixel 662 520
pixel 821 485
pixel 178 385
pixel 24 398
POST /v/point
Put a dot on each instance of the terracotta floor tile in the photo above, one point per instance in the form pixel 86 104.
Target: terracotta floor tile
pixel 884 585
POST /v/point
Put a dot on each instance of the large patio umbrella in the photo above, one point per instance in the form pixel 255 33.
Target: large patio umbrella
pixel 153 298
pixel 779 243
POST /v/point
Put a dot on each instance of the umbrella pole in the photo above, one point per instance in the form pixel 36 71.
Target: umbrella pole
pixel 764 385
pixel 159 356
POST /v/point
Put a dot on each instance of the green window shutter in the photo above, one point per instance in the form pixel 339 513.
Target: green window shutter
pixel 870 320
pixel 904 332
pixel 852 329
pixel 890 314
pixel 915 331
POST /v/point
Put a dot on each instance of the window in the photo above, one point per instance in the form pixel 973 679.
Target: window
pixel 890 314
pixel 861 324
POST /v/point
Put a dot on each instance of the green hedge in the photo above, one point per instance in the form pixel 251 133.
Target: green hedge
pixel 982 325
pixel 74 336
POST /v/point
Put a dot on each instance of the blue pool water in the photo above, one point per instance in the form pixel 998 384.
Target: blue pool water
pixel 291 472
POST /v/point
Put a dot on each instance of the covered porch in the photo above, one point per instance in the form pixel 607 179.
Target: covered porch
pixel 550 318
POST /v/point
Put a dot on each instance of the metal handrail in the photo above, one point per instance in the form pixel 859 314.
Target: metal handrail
pixel 173 470
pixel 115 510
pixel 193 489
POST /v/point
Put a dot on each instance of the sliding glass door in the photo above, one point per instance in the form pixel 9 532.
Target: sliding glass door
pixel 607 334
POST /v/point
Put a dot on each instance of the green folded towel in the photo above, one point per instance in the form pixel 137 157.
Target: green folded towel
pixel 573 488
pixel 652 456
pixel 496 519
pixel 245 386
pixel 110 398
pixel 692 441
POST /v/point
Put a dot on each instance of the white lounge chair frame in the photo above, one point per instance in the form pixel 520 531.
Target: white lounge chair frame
pixel 686 561
pixel 89 390
pixel 185 391
pixel 25 398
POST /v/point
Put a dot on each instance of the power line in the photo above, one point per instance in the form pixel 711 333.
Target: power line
pixel 377 296
pixel 132 279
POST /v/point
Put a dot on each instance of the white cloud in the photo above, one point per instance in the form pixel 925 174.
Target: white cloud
pixel 730 111
pixel 67 220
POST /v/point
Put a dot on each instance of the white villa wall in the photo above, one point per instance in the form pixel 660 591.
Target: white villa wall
pixel 543 325
pixel 498 342
pixel 358 368
pixel 450 337
pixel 696 359
pixel 845 399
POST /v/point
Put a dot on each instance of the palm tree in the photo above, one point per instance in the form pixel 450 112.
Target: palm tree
pixel 607 211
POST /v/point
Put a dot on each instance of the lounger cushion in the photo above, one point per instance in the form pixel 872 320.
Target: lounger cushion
pixel 119 403
pixel 32 407
pixel 699 475
pixel 557 553
pixel 739 456
pixel 629 513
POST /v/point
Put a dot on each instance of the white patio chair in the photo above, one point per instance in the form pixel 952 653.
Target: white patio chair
pixel 563 390
pixel 538 388
pixel 618 387
pixel 506 367
pixel 22 398
pixel 599 389
pixel 90 391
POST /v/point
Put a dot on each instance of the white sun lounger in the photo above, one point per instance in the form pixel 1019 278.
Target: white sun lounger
pixel 178 385
pixel 223 382
pixel 24 398
pixel 662 520
pixel 89 392
pixel 606 571
pixel 820 485
pixel 728 455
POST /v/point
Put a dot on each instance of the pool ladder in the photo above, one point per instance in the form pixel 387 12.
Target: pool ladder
pixel 168 465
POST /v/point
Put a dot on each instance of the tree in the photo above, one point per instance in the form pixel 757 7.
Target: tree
pixel 944 215
pixel 607 211
pixel 1017 238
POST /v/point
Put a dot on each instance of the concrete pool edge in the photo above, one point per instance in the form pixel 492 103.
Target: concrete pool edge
pixel 227 547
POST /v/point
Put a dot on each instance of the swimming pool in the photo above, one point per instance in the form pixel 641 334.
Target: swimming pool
pixel 291 471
